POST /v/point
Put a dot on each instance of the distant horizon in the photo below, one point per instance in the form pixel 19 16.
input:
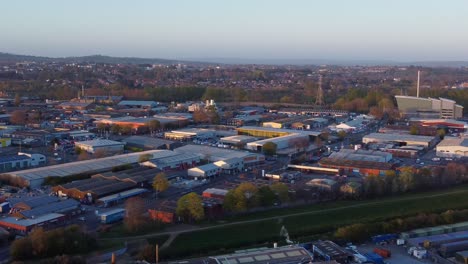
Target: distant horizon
pixel 270 61
pixel 400 30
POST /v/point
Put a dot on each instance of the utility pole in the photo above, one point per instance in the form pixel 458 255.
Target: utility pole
pixel 319 99
pixel 157 253
pixel 417 84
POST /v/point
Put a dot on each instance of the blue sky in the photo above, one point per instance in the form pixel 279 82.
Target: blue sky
pixel 403 30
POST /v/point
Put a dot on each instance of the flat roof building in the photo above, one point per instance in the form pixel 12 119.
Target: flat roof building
pixel 362 154
pixel 213 154
pixel 279 255
pixel 91 146
pixel 453 147
pixel 426 141
pixel 35 177
pixel 412 106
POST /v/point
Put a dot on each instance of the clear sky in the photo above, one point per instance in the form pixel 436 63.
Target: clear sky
pixel 403 30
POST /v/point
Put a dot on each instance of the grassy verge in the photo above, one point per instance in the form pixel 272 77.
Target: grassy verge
pixel 119 230
pixel 314 219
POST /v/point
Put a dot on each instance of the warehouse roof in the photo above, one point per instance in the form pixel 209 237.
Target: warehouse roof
pixel 33 221
pixel 206 167
pixel 285 255
pixel 361 154
pixel 453 141
pixel 399 137
pixel 122 195
pixel 87 166
pixel 99 143
pixel 280 130
pixel 57 207
pixel 34 201
pixel 5 159
pixel 212 153
pixel 238 139
pixel 147 142
pixel 340 163
pixel 137 103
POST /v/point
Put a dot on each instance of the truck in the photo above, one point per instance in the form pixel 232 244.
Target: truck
pixel 374 258
pixel 112 216
pixel 384 253
pixel 384 238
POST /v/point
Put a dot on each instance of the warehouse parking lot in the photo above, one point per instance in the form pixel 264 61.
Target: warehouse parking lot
pixel 399 254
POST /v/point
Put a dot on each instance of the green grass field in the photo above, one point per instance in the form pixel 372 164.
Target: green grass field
pixel 313 220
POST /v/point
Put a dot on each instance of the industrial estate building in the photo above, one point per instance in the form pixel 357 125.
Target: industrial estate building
pixel 95 145
pixel 453 147
pixel 45 211
pixel 21 161
pixel 287 255
pixel 402 139
pixel 283 138
pixel 35 177
pixel 411 106
pixel 108 183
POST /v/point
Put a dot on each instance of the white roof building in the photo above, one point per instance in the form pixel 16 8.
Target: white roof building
pixel 453 147
pixel 92 146
pixel 204 171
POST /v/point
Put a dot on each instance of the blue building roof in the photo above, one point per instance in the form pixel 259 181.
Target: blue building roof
pixel 6 159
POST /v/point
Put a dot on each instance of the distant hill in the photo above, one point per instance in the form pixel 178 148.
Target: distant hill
pixel 336 62
pixel 8 57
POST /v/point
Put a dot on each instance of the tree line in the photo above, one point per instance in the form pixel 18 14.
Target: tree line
pixel 360 232
pixel 46 244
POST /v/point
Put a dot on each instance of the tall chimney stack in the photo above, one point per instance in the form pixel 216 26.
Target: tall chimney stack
pixel 417 85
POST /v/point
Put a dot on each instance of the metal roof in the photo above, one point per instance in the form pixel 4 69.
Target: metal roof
pixel 283 255
pixel 86 166
pixel 6 159
pixel 31 222
pixel 34 201
pixel 122 195
pixel 99 143
pixel 56 207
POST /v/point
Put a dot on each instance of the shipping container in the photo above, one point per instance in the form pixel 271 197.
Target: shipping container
pixel 449 249
pixel 112 216
pixel 374 258
pixel 4 207
pixel 400 242
pixel 384 238
pixel 384 253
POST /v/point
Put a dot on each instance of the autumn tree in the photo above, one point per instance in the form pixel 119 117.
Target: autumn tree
pixel 160 182
pixel 406 178
pixel 342 134
pixel 100 153
pixel 115 129
pixel 153 125
pixel 134 210
pixel 17 100
pixel 266 196
pixel 18 117
pixel 144 157
pixel 269 148
pixel 281 190
pixel 126 129
pixel 242 198
pixel 39 242
pixel 190 207
pixel 101 127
